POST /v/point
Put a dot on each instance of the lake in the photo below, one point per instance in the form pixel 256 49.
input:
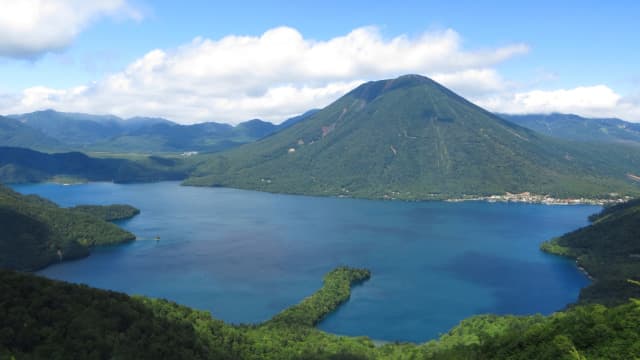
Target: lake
pixel 247 255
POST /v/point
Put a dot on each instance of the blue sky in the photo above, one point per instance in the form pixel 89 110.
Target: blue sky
pixel 579 56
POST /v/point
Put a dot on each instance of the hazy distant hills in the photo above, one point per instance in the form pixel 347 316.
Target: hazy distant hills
pixel 412 138
pixel 574 127
pixel 15 133
pixel 75 129
pixel 407 138
pixel 50 130
pixel 20 165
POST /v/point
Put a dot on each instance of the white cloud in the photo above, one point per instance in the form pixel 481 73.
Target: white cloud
pixel 272 76
pixel 29 28
pixel 589 101
pixel 474 82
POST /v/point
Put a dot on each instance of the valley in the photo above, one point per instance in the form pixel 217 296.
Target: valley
pixel 229 246
pixel 351 180
pixel 245 256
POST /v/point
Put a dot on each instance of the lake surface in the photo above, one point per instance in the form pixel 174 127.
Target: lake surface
pixel 247 255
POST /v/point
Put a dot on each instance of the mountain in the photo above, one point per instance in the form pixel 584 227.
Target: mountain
pixel 15 133
pixel 255 129
pixel 72 128
pixel 411 138
pixel 51 130
pixel 139 122
pixel 36 232
pixel 19 165
pixel 296 119
pixel 78 131
pixel 609 250
pixel 574 127
pixel 203 137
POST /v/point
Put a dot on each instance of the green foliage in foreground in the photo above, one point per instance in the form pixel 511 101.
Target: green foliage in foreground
pixel 609 250
pixel 46 319
pixel 35 232
pixel 335 291
pixel 108 212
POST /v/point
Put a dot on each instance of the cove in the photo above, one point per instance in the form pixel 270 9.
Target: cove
pixel 247 255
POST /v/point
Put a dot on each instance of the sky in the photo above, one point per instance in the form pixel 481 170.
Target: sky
pixel 195 61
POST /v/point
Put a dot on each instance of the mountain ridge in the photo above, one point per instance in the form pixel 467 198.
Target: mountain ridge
pixel 412 138
pixel 62 131
pixel 578 128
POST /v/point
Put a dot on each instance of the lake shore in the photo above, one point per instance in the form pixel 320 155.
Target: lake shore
pixel 530 198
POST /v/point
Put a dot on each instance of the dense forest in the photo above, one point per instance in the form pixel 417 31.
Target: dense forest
pixel 609 250
pixel 411 138
pixel 18 165
pixel 36 232
pixel 47 319
pixel 50 130
pixel 108 212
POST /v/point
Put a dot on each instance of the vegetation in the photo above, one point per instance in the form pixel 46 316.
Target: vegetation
pixel 335 291
pixel 15 133
pixel 411 138
pixel 19 165
pixel 36 232
pixel 51 130
pixel 609 250
pixel 574 127
pixel 43 318
pixel 77 130
pixel 108 212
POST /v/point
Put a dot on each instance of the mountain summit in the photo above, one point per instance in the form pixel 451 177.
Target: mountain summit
pixel 412 138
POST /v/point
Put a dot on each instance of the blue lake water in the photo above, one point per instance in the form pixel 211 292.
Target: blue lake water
pixel 247 255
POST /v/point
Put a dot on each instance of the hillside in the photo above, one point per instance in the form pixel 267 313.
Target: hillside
pixel 44 318
pixel 18 165
pixel 55 320
pixel 72 129
pixel 15 133
pixel 51 130
pixel 204 137
pixel 411 138
pixel 108 212
pixel 609 250
pixel 296 119
pixel 36 232
pixel 574 127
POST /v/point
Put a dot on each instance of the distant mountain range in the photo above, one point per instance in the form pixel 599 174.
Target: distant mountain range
pixel 19 165
pixel 574 127
pixel 407 138
pixel 411 138
pixel 50 130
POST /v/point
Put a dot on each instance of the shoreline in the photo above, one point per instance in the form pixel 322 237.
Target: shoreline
pixel 507 197
pixel 584 271
pixel 529 198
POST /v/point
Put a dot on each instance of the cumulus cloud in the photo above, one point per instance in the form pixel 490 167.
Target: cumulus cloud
pixel 29 28
pixel 589 101
pixel 272 76
pixel 474 82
